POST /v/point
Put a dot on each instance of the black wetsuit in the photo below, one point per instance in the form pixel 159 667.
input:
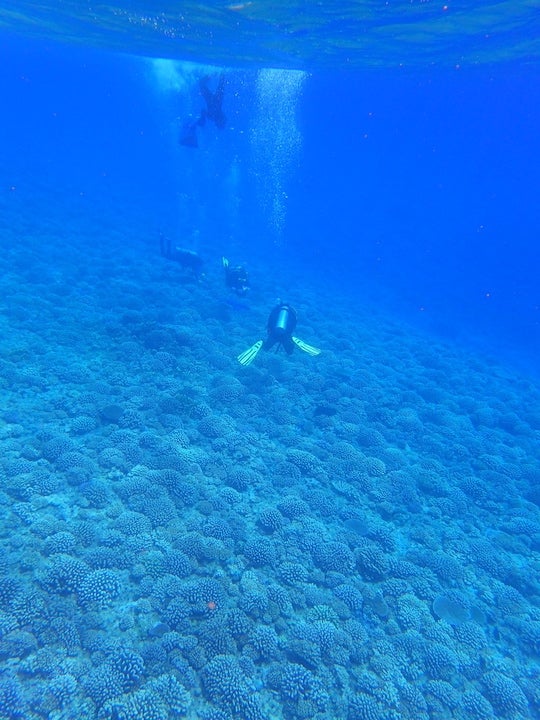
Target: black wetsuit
pixel 186 258
pixel 214 101
pixel 213 112
pixel 236 278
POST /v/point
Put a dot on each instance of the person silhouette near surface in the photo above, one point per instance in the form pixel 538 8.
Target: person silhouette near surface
pixel 213 112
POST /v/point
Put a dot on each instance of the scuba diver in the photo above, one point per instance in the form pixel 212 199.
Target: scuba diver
pixel 236 277
pixel 188 259
pixel 214 101
pixel 280 327
pixel 213 112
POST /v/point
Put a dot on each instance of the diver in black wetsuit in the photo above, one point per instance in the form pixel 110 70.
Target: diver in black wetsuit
pixel 214 101
pixel 213 112
pixel 279 327
pixel 187 259
pixel 236 277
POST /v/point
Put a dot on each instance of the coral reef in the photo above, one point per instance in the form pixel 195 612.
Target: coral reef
pixel 347 539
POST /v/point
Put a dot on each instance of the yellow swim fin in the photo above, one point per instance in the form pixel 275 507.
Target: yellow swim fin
pixel 247 357
pixel 309 349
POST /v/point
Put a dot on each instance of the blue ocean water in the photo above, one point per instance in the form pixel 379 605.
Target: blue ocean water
pixel 350 535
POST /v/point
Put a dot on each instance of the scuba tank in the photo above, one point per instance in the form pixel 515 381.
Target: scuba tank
pixel 282 320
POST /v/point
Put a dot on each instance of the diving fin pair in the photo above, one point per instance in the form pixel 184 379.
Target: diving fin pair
pixel 247 357
pixel 309 349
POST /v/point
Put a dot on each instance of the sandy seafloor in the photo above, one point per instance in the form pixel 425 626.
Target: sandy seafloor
pixel 350 536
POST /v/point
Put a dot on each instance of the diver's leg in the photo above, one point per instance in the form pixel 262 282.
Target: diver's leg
pixel 205 90
pixel 288 344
